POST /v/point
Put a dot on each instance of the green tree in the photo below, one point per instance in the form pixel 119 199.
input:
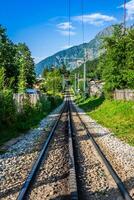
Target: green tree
pixel 22 83
pixel 7 59
pixel 26 67
pixel 117 63
pixel 128 73
pixel 52 81
pixel 45 71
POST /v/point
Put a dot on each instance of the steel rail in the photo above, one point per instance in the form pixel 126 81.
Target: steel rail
pixel 124 192
pixel 72 175
pixel 28 182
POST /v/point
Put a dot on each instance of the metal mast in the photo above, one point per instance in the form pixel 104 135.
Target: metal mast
pixel 75 84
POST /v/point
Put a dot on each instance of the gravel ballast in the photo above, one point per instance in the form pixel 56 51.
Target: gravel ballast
pixel 17 161
pixel 94 180
pixel 51 181
pixel 120 154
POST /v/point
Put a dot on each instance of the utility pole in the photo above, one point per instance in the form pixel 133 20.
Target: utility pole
pixel 78 83
pixel 54 79
pixel 84 73
pixel 75 83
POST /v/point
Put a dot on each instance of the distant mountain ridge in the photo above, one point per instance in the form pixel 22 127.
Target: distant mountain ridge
pixel 67 56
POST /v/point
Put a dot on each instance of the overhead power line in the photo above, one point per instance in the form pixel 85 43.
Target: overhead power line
pixel 83 27
pixel 69 21
pixel 125 15
pixel 83 40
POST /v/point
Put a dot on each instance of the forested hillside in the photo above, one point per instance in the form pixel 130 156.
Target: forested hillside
pixel 76 52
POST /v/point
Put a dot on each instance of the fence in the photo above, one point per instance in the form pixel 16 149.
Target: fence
pixel 20 98
pixel 125 94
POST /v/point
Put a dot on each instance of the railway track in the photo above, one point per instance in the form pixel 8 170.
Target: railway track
pixel 61 136
pixel 120 185
pixel 76 170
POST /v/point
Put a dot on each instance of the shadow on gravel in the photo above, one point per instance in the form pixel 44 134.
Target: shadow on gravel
pixel 105 195
pixel 52 179
pixel 16 186
pixel 85 193
pixel 66 197
pixel 92 104
pixel 97 134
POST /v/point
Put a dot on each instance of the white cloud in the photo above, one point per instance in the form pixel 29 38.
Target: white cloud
pixel 65 26
pixel 96 19
pixel 66 33
pixel 130 9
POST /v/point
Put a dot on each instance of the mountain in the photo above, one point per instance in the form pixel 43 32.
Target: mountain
pixel 70 55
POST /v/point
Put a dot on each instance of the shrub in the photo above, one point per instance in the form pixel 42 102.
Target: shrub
pixel 13 123
pixel 7 108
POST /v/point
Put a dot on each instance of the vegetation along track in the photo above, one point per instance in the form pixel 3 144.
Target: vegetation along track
pixel 71 159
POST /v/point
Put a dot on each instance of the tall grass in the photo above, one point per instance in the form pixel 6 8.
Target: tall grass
pixel 116 115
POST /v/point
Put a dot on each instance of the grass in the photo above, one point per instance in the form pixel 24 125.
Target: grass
pixel 117 116
pixel 27 121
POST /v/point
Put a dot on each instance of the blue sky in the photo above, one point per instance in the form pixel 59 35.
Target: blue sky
pixel 43 24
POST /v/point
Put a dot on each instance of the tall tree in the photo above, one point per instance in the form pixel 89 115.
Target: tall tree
pixel 118 61
pixel 22 82
pixel 53 81
pixel 128 74
pixel 7 59
pixel 26 65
